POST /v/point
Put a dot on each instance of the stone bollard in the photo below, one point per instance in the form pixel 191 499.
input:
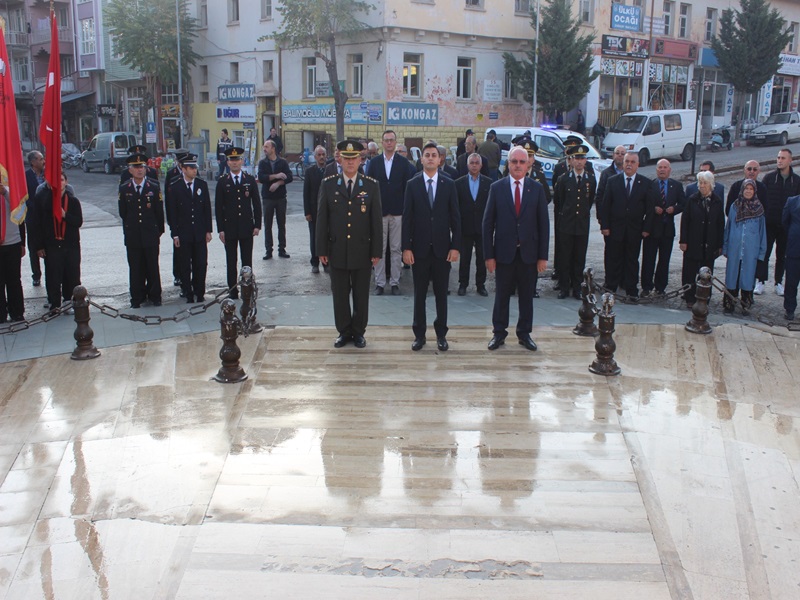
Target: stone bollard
pixel 699 320
pixel 588 310
pixel 604 345
pixel 230 327
pixel 249 309
pixel 84 336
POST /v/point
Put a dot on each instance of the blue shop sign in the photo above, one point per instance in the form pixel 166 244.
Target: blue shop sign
pixel 412 113
pixel 326 113
pixel 238 92
pixel 624 17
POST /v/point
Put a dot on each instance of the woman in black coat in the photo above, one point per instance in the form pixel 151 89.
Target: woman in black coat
pixel 702 232
pixel 58 244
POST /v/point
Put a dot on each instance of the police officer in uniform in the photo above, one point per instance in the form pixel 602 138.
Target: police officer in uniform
pixel 151 172
pixel 142 212
pixel 350 240
pixel 574 196
pixel 190 227
pixel 173 174
pixel 238 212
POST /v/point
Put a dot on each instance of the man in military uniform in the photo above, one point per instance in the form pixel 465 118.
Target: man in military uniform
pixel 173 174
pixel 142 214
pixel 238 212
pixel 190 227
pixel 150 171
pixel 350 240
pixel 574 196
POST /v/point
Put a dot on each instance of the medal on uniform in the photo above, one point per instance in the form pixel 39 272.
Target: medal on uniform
pixel 363 208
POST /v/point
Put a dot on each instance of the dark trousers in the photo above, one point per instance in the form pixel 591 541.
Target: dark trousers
pixel 344 283
pixel 36 266
pixel 11 299
pixel 622 262
pixel 194 263
pixel 467 243
pixel 424 270
pixel 556 248
pixel 312 235
pixel 792 279
pixel 144 277
pixel 176 264
pixel 275 209
pixel 775 235
pixel 689 274
pixel 245 246
pixel 508 276
pixel 652 249
pixel 62 272
pixel 572 254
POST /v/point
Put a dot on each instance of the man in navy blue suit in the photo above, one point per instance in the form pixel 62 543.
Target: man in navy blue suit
pixel 431 239
pixel 516 236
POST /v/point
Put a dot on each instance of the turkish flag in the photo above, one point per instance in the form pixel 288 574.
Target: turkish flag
pixel 12 171
pixel 50 128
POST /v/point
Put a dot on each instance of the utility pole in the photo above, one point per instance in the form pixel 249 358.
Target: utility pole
pixel 536 70
pixel 180 69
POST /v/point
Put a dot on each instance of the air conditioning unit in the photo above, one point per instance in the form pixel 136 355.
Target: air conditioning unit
pixel 23 88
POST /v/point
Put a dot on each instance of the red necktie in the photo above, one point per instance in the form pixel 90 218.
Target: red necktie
pixel 517 199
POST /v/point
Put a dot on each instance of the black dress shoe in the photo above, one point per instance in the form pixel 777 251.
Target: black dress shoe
pixel 201 299
pixel 182 294
pixel 37 282
pixel 395 290
pixel 267 256
pixel 482 291
pixel 283 254
pixel 556 286
pixel 496 342
pixel 189 300
pixel 234 295
pixel 359 341
pixel 462 290
pixel 156 302
pixel 563 294
pixel 528 343
pixel 136 305
pixel 417 344
pixel 341 341
pixel 442 345
pixel 176 282
pixel 554 276
pixel 577 295
pixel 378 291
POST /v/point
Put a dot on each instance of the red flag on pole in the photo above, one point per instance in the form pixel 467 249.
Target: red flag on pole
pixel 12 171
pixel 50 128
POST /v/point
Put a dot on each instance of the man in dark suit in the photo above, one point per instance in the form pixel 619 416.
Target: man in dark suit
pixel 392 173
pixel 311 184
pixel 574 196
pixel 473 191
pixel 173 174
pixel 516 236
pixel 625 218
pixel 752 170
pixel 190 228
pixel 349 232
pixel 238 213
pixel 443 166
pixel 471 145
pixel 719 189
pixel 334 167
pixel 668 200
pixel 615 168
pixel 34 177
pixel 431 239
pixel 142 212
pixel 461 147
pixel 274 174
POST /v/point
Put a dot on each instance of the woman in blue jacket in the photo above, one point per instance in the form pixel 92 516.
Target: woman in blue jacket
pixel 744 245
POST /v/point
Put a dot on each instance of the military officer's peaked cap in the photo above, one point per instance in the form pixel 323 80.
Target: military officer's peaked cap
pixel 189 160
pixel 579 151
pixel 138 149
pixel 136 159
pixel 572 140
pixel 179 156
pixel 349 148
pixel 234 152
pixel 526 142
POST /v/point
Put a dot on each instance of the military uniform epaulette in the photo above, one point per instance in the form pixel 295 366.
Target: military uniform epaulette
pixel 370 178
pixel 154 181
pixel 331 177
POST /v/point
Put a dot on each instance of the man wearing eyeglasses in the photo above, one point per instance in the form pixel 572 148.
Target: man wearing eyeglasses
pixel 751 171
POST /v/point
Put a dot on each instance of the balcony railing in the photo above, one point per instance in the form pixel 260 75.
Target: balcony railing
pixel 67 84
pixel 17 38
pixel 42 36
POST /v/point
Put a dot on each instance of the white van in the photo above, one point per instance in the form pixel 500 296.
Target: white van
pixel 654 134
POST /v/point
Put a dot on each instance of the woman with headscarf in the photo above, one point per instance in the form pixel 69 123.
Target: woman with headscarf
pixel 744 245
pixel 702 230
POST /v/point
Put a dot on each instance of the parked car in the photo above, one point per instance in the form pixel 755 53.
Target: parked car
pixel 551 147
pixel 108 151
pixel 654 134
pixel 780 128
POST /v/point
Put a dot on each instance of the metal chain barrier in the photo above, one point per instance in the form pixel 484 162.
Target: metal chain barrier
pixel 27 324
pixel 719 285
pixel 651 299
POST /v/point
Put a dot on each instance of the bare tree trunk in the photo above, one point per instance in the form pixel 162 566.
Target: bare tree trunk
pixel 339 95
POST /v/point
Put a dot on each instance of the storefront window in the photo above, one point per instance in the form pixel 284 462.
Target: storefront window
pixel 781 94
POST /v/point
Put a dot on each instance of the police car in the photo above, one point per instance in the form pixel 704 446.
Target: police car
pixel 551 147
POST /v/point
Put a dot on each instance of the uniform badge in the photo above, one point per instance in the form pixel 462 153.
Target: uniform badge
pixel 363 208
pixel 148 205
pixel 199 192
